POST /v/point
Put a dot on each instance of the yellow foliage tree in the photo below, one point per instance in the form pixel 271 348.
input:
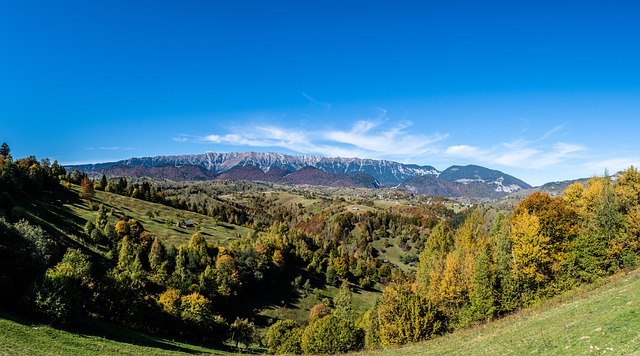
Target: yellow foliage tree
pixel 278 258
pixel 468 241
pixel 122 228
pixel 627 189
pixel 170 301
pixel 452 284
pixel 402 316
pixel 196 308
pixel 532 260
pixel 431 265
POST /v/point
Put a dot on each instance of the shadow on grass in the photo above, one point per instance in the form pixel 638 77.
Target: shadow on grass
pixel 226 226
pixel 50 207
pixel 94 329
pixel 282 294
pixel 117 333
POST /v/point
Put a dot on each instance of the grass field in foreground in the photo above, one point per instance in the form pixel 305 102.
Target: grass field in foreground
pixel 18 337
pixel 587 320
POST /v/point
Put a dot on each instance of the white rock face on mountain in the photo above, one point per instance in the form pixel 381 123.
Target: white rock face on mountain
pixel 510 188
pixel 498 183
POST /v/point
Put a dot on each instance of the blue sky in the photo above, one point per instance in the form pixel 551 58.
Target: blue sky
pixel 543 90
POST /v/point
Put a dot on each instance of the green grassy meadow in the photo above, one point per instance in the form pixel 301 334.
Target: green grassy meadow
pixel 70 215
pixel 20 337
pixel 298 309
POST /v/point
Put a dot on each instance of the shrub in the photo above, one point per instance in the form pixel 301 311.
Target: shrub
pixel 283 337
pixel 330 335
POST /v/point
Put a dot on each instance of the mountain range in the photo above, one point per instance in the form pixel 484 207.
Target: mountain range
pixel 455 181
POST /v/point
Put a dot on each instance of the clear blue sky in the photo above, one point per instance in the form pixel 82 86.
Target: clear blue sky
pixel 543 90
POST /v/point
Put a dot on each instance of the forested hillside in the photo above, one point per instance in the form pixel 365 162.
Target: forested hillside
pixel 204 261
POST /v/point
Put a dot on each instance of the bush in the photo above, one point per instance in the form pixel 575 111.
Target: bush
pixel 330 335
pixel 64 290
pixel 41 247
pixel 283 337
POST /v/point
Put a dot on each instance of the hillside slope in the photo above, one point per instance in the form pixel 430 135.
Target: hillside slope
pixel 588 320
pixel 21 337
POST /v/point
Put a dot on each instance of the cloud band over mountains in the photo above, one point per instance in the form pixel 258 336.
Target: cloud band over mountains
pixel 382 138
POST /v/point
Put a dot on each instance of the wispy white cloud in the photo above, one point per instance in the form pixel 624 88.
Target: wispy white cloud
pixel 315 101
pixel 531 154
pixel 611 164
pixel 376 138
pixel 110 148
pixel 551 132
pixel 382 138
pixel 465 151
pixel 181 138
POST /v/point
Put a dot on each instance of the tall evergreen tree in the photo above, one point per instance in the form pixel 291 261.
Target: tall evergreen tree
pixel 104 182
pixel 481 295
pixel 4 149
pixel 506 288
pixel 342 302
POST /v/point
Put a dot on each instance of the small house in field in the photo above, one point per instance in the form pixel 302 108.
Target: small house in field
pixel 186 224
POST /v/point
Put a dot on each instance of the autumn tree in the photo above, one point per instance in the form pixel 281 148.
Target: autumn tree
pixel 196 308
pixel 402 316
pixel 542 231
pixel 170 302
pixel 86 189
pixel 318 311
pixel 431 265
pixel 469 240
pixel 603 237
pixel 451 288
pixel 558 225
pixel 531 255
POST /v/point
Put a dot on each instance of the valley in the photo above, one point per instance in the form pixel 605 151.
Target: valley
pixel 260 266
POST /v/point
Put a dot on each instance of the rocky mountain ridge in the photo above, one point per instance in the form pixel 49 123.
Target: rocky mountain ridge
pixel 455 181
pixel 388 173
